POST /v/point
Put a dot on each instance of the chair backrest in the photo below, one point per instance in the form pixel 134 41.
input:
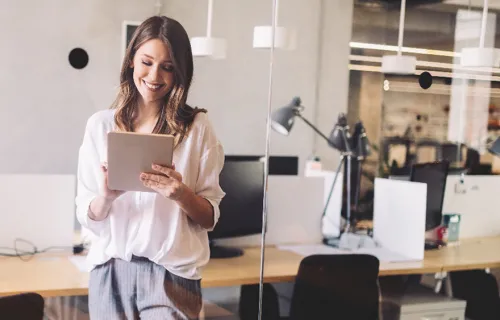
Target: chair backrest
pixel 428 150
pixel 337 287
pixel 26 306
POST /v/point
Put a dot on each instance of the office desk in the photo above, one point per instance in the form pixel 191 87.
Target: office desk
pixel 54 275
pixel 48 274
pixel 479 253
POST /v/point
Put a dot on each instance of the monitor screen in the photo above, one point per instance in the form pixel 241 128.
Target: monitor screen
pixel 278 165
pixel 241 208
pixel 434 174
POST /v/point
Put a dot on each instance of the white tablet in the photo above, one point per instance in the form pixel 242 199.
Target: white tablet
pixel 130 154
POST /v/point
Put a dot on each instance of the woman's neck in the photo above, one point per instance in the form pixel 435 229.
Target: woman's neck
pixel 147 116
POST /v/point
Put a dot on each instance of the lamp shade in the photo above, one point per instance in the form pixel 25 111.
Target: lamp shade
pixel 340 138
pixel 361 145
pixel 214 48
pixel 398 64
pixel 494 147
pixel 282 119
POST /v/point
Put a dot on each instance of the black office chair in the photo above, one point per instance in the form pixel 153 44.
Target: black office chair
pixel 429 143
pixel 326 287
pixel 480 290
pixel 337 287
pixel 26 306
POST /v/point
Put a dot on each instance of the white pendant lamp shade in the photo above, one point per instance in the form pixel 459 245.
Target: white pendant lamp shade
pixel 214 48
pixel 399 64
pixel 480 56
pixel 263 37
pixel 283 38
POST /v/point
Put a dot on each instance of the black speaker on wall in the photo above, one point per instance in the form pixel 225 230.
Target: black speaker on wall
pixel 278 165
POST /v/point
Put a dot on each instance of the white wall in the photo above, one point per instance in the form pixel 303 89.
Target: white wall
pixel 45 102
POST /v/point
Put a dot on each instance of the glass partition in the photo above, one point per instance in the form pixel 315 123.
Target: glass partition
pixel 341 119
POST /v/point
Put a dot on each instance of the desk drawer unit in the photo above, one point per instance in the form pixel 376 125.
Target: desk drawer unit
pixel 422 304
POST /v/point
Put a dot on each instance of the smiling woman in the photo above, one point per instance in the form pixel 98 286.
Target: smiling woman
pixel 151 246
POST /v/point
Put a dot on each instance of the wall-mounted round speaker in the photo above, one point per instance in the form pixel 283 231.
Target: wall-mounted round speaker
pixel 78 58
pixel 425 80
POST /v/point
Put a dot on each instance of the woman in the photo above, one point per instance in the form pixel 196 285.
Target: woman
pixel 145 261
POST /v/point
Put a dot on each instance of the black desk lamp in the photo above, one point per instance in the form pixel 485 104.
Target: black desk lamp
pixel 282 122
pixel 284 118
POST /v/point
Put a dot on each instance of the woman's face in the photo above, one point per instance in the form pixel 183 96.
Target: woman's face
pixel 153 70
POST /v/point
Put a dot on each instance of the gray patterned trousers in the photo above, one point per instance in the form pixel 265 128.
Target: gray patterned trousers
pixel 141 289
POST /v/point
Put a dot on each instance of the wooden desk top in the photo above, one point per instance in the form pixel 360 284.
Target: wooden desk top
pixel 48 274
pixel 54 275
pixel 480 253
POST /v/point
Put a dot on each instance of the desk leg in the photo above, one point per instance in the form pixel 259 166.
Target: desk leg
pixel 439 281
pixel 440 277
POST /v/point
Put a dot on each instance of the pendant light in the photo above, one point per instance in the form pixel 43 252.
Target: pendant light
pixel 208 46
pixel 399 64
pixel 263 35
pixel 480 56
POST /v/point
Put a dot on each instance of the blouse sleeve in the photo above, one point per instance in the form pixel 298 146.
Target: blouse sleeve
pixel 211 163
pixel 89 175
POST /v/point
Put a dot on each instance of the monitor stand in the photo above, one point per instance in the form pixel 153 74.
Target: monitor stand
pixel 219 252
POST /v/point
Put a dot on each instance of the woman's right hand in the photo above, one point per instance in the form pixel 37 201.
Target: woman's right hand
pixel 107 193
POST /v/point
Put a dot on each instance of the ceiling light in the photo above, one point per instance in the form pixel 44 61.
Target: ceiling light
pixel 263 35
pixel 399 64
pixel 481 56
pixel 208 46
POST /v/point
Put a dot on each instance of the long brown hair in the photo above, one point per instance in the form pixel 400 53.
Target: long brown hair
pixel 175 116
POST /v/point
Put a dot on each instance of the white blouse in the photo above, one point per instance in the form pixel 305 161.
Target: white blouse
pixel 147 224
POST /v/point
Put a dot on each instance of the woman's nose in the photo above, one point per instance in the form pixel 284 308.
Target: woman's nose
pixel 154 73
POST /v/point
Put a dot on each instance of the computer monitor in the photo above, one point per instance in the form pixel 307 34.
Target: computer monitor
pixel 278 165
pixel 434 174
pixel 241 208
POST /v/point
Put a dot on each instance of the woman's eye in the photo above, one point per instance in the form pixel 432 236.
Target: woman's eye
pixel 168 68
pixel 146 63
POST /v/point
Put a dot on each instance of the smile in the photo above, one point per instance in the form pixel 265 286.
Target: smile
pixel 152 86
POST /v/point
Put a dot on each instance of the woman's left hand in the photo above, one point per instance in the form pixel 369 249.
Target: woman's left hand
pixel 166 182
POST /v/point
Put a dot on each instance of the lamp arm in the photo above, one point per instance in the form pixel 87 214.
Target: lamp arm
pixel 313 127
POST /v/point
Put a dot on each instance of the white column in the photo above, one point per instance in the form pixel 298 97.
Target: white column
pixel 469 100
